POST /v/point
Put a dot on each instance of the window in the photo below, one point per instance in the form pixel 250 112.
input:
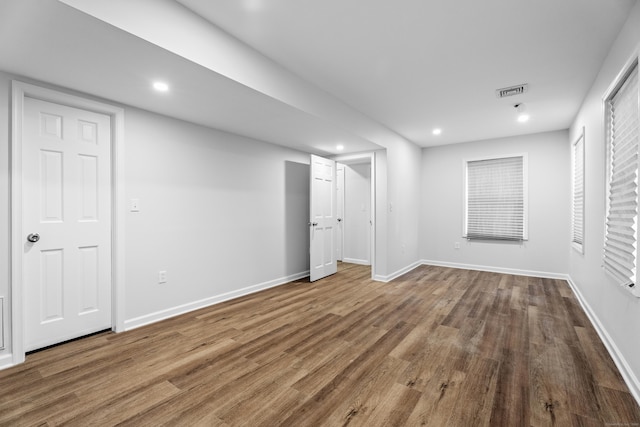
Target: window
pixel 577 203
pixel 496 199
pixel 621 232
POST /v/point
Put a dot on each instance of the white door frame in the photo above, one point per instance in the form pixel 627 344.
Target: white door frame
pixel 20 90
pixel 340 171
pixel 366 158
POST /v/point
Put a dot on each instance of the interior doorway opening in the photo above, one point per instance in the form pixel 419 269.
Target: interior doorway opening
pixel 355 241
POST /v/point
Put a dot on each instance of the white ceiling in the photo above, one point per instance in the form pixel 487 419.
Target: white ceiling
pixel 414 65
pixel 411 65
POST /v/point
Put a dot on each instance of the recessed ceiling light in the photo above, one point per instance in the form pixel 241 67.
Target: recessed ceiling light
pixel 436 131
pixel 161 86
pixel 522 115
pixel 339 147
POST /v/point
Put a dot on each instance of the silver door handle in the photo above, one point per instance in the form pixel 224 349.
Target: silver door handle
pixel 33 237
pixel 339 219
pixel 313 224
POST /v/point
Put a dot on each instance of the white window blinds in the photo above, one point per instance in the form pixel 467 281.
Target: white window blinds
pixel 495 199
pixel 621 237
pixel 577 205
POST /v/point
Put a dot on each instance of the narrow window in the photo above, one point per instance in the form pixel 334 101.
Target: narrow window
pixel 495 199
pixel 621 232
pixel 577 204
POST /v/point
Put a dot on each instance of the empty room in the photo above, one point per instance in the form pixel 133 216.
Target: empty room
pixel 319 213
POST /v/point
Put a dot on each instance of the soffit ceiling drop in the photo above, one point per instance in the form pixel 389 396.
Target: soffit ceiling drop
pixel 409 65
pixel 49 41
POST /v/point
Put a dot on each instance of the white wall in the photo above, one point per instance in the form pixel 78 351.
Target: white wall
pixel 219 213
pixel 5 197
pixel 357 214
pixel 254 70
pixel 545 253
pixel 402 209
pixel 381 218
pixel 616 311
pixel 212 204
pixel 222 214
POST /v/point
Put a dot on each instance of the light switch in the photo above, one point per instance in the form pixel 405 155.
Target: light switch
pixel 135 205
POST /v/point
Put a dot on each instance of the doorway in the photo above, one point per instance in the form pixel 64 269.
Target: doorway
pixel 356 207
pixel 36 164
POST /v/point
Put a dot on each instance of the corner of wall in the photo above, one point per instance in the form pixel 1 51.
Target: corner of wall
pixel 618 357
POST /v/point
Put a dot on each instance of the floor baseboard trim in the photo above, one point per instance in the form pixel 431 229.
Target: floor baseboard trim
pixel 196 305
pixel 6 361
pixel 490 269
pixel 396 274
pixel 356 261
pixel 618 358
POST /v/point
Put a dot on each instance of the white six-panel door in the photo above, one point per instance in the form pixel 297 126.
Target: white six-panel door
pixel 67 215
pixel 323 222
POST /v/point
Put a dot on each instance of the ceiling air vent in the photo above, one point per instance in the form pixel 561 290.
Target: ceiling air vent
pixel 511 91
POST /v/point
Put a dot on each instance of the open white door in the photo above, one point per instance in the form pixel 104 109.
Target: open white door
pixel 322 227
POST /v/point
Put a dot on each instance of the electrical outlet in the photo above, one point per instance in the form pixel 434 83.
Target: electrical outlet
pixel 162 277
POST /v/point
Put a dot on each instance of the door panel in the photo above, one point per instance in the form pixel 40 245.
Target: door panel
pixel 323 218
pixel 51 285
pixel 67 202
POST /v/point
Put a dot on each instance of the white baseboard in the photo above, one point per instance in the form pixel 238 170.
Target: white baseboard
pixel 627 373
pixel 6 361
pixel 356 261
pixel 632 381
pixel 195 305
pixel 396 274
pixel 516 272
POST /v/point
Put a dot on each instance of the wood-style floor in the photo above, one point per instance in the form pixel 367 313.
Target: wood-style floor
pixel 436 347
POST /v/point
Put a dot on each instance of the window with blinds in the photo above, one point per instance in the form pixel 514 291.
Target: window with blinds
pixel 495 199
pixel 577 203
pixel 621 233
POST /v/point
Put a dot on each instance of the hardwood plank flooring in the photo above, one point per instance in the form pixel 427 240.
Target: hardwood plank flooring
pixel 437 347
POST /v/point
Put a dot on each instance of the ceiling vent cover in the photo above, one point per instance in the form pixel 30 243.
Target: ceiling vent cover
pixel 512 90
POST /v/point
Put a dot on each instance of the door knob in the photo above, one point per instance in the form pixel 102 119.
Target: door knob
pixel 33 237
pixel 313 224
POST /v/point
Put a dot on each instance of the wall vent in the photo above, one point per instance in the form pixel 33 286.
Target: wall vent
pixel 512 90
